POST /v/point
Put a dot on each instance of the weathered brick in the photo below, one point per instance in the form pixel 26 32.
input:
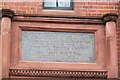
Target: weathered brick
pixel 30 4
pixel 24 8
pixel 19 4
pixel 87 6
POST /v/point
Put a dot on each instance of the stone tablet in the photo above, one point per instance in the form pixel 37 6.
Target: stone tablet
pixel 57 47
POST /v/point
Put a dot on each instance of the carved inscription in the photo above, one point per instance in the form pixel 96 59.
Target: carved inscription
pixel 57 46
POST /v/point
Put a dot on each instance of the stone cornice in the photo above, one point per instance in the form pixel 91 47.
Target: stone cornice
pixel 59 18
pixel 67 19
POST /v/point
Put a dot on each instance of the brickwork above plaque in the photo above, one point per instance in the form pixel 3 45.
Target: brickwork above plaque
pixel 57 46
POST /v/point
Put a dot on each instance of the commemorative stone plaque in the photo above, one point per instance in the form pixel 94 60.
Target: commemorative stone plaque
pixel 57 46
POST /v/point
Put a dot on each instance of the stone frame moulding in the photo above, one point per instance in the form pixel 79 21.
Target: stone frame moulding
pixel 12 24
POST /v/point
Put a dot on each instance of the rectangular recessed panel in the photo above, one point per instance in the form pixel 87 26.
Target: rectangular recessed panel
pixel 57 46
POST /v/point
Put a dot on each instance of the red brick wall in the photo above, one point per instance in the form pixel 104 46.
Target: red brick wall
pixel 84 8
pixel 80 8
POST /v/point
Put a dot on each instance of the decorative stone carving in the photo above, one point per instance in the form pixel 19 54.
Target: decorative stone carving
pixel 6 13
pixel 110 17
pixel 60 73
